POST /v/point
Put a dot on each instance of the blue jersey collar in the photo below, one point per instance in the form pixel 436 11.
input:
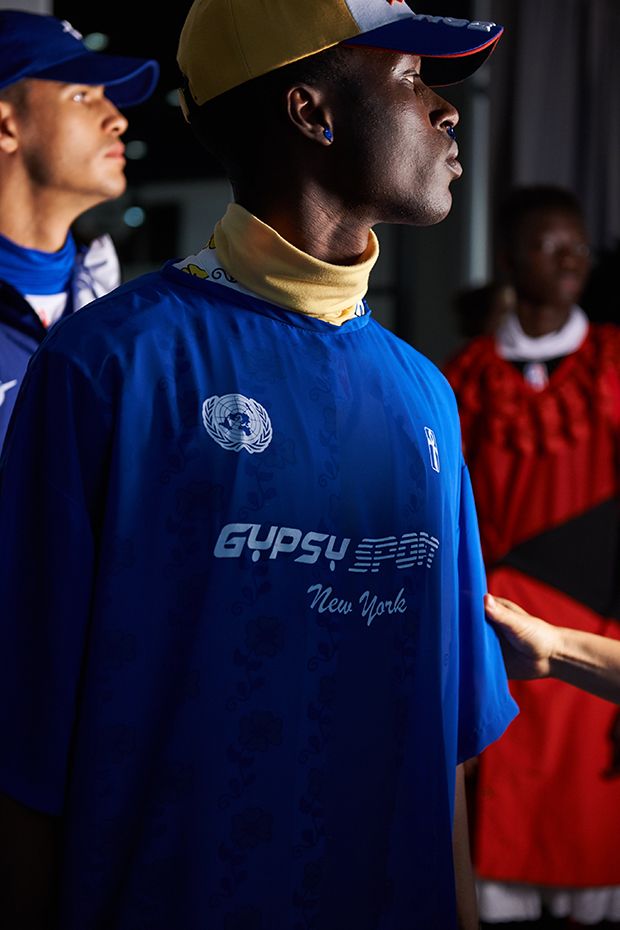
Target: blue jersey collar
pixel 291 317
pixel 32 271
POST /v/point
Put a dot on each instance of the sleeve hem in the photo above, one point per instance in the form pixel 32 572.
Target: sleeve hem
pixel 37 797
pixel 474 742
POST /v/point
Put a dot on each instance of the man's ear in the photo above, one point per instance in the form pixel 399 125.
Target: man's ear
pixel 309 114
pixel 8 128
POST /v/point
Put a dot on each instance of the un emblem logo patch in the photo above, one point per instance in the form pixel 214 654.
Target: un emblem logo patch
pixel 237 422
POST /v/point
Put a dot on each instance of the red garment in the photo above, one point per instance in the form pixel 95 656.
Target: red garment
pixel 544 468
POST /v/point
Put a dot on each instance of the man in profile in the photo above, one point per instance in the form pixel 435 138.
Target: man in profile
pixel 60 154
pixel 260 653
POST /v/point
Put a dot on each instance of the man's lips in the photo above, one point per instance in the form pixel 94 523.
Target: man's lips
pixel 570 281
pixel 116 151
pixel 453 163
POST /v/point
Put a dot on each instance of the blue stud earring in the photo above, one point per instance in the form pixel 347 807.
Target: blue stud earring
pixel 450 131
pixel 328 134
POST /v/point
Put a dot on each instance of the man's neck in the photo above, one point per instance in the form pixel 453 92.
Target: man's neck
pixel 321 230
pixel 35 218
pixel 540 319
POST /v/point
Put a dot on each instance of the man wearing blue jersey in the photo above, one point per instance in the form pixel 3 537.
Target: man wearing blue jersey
pixel 254 652
pixel 60 154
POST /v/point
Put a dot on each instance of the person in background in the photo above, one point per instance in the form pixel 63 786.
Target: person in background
pixel 252 655
pixel 60 154
pixel 540 413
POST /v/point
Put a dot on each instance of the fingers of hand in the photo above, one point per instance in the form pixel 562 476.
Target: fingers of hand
pixel 512 607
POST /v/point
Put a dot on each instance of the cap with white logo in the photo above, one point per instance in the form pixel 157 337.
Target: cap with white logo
pixel 225 43
pixel 43 47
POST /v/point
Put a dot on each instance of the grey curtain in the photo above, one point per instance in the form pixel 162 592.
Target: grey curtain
pixel 555 103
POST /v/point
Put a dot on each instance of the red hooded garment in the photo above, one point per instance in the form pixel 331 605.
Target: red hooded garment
pixel 545 472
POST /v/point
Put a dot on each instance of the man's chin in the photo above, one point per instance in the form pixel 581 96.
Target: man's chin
pixel 113 190
pixel 427 214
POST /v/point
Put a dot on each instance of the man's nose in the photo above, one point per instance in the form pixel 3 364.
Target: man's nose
pixel 115 122
pixel 442 113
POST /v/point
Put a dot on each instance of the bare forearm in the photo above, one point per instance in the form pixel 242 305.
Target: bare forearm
pixel 467 908
pixel 587 661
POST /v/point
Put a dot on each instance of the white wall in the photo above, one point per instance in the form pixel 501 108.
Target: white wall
pixel 31 6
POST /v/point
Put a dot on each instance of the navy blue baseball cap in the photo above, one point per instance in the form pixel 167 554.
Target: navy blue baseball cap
pixel 36 46
pixel 452 49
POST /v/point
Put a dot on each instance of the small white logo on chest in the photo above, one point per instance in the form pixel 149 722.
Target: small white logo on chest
pixel 433 448
pixel 237 422
pixel 4 388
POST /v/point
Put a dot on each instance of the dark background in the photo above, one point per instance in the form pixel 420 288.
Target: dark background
pixel 134 28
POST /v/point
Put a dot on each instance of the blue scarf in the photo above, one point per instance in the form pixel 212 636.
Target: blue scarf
pixel 32 271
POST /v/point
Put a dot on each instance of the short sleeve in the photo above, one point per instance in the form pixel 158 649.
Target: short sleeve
pixel 48 479
pixel 485 704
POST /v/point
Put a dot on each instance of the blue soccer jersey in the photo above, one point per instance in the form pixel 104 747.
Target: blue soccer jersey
pixel 243 642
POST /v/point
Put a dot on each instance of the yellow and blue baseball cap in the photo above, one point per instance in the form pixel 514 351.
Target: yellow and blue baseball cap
pixel 36 46
pixel 225 43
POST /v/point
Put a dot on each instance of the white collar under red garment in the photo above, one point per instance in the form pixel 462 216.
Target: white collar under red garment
pixel 513 344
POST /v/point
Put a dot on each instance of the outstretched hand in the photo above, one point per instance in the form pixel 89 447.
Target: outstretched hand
pixel 535 649
pixel 527 642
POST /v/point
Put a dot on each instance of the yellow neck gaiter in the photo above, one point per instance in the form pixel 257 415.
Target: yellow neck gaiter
pixel 265 263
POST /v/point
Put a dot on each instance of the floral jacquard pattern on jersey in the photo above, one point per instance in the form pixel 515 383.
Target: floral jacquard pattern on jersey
pixel 270 617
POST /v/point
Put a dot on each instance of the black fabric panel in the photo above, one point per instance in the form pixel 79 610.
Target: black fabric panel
pixel 550 363
pixel 17 313
pixel 580 558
